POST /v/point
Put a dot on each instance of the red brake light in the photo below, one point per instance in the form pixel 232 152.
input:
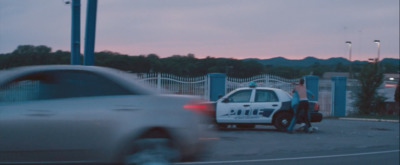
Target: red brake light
pixel 200 108
pixel 316 107
pixel 194 106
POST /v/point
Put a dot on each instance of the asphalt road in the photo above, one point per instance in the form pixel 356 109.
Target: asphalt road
pixel 336 142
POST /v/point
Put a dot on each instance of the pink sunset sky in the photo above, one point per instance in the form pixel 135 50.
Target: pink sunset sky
pixel 217 28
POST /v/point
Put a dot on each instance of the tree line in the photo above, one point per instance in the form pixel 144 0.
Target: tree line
pixel 180 65
pixel 370 75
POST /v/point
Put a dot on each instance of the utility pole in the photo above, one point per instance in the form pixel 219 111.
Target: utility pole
pixel 350 70
pixel 76 32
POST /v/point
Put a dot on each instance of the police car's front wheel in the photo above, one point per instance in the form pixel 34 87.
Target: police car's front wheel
pixel 282 121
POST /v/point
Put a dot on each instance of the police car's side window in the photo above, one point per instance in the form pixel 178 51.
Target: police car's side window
pixel 240 96
pixel 266 96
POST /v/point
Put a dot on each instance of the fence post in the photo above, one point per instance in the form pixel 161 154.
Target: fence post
pixel 338 96
pixel 217 85
pixel 312 85
pixel 159 82
pixel 206 87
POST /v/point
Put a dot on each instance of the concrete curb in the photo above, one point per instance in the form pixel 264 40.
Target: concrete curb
pixel 364 119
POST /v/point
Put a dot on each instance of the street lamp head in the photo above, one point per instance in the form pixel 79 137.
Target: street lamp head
pixel 348 42
pixel 378 43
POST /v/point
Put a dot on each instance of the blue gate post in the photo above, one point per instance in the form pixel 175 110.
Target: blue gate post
pixel 338 96
pixel 90 33
pixel 217 85
pixel 312 85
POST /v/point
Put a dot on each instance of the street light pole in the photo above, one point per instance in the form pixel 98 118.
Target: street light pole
pixel 75 32
pixel 350 70
pixel 378 42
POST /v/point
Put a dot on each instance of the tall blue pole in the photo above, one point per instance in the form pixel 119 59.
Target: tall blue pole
pixel 76 32
pixel 90 32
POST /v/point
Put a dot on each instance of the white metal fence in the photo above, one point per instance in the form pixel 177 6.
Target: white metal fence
pixel 167 83
pixel 324 97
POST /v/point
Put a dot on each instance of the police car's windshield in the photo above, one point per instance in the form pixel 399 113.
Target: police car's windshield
pixel 288 95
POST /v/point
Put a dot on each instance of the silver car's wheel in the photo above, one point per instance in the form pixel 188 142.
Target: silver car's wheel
pixel 152 151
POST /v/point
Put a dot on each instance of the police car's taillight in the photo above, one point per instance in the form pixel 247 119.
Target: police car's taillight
pixel 316 107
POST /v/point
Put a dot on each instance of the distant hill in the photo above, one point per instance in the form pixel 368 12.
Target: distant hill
pixel 393 61
pixel 308 61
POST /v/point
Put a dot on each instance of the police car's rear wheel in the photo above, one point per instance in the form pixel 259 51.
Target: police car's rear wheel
pixel 282 121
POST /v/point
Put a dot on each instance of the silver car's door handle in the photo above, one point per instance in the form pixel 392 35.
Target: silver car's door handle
pixel 39 113
pixel 125 109
pixel 246 105
pixel 274 105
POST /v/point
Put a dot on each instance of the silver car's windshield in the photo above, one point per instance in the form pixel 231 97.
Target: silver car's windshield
pixel 61 84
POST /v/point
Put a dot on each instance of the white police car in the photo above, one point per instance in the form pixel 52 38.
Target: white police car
pixel 250 106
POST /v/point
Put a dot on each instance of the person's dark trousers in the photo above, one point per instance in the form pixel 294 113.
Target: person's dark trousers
pixel 303 105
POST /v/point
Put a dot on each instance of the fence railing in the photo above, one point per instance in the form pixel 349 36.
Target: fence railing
pixel 262 81
pixel 199 86
pixel 167 83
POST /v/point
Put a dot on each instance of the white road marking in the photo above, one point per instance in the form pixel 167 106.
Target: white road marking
pixel 294 158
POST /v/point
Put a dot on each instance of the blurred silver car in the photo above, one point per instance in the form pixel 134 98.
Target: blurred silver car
pixel 88 114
